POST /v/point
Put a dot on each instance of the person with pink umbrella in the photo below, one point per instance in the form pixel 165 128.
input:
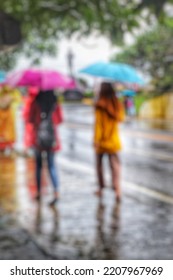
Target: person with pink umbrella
pixel 44 115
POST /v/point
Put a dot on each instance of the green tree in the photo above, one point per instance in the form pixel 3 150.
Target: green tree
pixel 43 22
pixel 152 53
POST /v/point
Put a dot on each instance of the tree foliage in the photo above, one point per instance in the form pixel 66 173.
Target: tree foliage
pixel 43 22
pixel 152 53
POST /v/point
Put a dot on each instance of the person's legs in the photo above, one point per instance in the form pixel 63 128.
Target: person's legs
pixel 53 174
pixel 99 169
pixel 38 162
pixel 115 166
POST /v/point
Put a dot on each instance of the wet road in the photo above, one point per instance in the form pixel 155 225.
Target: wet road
pixel 81 227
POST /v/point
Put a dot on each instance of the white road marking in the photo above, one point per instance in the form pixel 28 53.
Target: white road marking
pixel 81 167
pixel 151 154
pixel 151 193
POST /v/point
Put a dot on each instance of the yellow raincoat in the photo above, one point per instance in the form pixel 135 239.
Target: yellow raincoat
pixel 7 130
pixel 108 113
pixel 8 99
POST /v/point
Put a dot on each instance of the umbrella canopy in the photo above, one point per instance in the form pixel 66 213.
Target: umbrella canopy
pixel 2 76
pixel 43 79
pixel 119 72
pixel 127 92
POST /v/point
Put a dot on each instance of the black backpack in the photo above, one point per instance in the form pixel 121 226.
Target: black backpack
pixel 45 132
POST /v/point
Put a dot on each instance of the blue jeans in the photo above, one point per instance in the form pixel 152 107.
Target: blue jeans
pixel 51 169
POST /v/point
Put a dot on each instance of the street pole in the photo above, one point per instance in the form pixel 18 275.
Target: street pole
pixel 70 59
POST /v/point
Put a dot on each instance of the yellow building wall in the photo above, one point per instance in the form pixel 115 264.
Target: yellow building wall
pixel 160 107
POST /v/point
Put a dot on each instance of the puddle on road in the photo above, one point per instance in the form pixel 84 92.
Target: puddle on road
pixel 81 227
pixel 8 185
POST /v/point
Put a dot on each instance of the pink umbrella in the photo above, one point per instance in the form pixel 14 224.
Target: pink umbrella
pixel 43 79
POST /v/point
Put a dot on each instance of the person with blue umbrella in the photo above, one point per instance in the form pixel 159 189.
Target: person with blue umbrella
pixel 108 113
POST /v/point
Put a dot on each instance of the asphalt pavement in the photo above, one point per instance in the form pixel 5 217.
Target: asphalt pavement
pixel 81 226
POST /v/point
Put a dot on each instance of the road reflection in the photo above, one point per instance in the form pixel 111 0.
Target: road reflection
pixel 106 244
pixel 40 220
pixel 8 196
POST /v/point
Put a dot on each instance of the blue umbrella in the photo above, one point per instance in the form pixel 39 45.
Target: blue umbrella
pixel 128 92
pixel 119 72
pixel 2 76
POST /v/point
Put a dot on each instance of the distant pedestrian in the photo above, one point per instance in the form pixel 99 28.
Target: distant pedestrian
pixel 126 105
pixel 108 113
pixel 131 107
pixel 44 115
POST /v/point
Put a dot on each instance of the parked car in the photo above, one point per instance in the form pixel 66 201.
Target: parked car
pixel 73 95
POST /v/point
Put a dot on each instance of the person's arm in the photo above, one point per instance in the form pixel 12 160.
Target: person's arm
pixel 32 116
pixel 26 108
pixel 97 128
pixel 58 115
pixel 121 113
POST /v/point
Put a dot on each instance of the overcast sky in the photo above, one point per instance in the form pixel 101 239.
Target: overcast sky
pixel 86 51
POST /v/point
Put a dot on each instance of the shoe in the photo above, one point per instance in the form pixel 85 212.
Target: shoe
pixel 118 199
pixel 53 202
pixel 98 193
pixel 38 197
pixel 117 194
